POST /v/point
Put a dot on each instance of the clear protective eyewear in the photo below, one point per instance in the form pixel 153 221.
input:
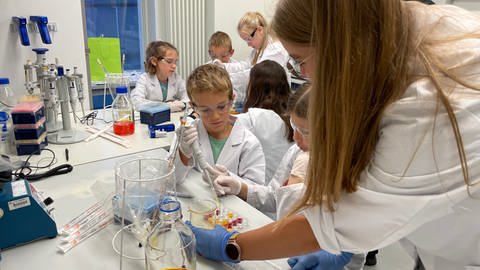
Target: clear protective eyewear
pixel 207 111
pixel 219 56
pixel 298 64
pixel 169 61
pixel 252 35
pixel 304 132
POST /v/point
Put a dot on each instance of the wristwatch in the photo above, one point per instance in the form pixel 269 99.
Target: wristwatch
pixel 233 249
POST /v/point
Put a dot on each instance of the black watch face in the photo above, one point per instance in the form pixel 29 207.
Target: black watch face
pixel 232 251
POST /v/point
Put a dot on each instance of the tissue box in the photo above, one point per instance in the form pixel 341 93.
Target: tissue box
pixel 155 115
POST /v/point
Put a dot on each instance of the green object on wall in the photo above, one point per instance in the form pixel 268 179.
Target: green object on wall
pixel 108 51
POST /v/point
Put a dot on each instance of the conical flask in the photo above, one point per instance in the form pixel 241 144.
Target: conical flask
pixel 171 244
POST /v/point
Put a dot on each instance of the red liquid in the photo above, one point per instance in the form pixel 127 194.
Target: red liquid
pixel 124 127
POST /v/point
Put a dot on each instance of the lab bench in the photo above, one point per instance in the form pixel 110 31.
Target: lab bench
pixel 73 194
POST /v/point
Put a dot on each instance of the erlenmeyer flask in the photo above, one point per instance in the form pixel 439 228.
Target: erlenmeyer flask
pixel 171 244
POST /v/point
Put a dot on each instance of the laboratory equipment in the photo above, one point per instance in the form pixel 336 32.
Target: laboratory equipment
pixel 154 115
pixel 24 216
pixel 57 89
pixel 42 24
pixel 203 213
pixel 20 25
pixel 155 129
pixel 29 127
pixel 141 183
pixel 7 97
pixel 122 113
pixel 89 222
pixel 171 244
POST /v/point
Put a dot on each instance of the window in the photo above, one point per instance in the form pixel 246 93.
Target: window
pixel 121 19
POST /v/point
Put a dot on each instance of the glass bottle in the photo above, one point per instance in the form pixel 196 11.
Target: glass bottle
pixel 7 102
pixel 171 244
pixel 7 97
pixel 122 109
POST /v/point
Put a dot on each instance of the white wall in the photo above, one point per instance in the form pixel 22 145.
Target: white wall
pixel 67 44
pixel 226 15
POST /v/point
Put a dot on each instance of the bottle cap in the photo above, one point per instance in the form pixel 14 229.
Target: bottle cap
pixel 4 81
pixel 3 116
pixel 122 90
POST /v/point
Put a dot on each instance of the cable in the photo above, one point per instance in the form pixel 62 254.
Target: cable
pixel 62 169
pixel 28 175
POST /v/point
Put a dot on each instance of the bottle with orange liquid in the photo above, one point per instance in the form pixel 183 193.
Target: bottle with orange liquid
pixel 122 109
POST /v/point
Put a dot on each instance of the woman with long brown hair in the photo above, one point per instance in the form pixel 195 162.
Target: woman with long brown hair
pixel 395 128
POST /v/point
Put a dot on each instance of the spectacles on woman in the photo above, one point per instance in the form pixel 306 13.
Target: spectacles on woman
pixel 298 64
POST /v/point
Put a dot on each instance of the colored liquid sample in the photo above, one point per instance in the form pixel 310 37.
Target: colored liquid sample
pixel 124 127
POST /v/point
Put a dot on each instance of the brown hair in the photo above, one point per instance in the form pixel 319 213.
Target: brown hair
pixel 299 101
pixel 211 79
pixel 362 52
pixel 248 23
pixel 268 88
pixel 156 49
pixel 220 39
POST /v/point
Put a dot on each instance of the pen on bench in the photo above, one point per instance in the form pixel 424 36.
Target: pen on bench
pixel 66 154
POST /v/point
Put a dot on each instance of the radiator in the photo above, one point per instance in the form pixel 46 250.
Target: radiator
pixel 185 29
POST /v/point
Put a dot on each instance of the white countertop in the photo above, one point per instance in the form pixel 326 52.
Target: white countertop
pixel 73 194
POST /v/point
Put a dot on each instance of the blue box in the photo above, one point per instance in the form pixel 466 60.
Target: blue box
pixel 28 149
pixel 28 112
pixel 155 115
pixel 29 133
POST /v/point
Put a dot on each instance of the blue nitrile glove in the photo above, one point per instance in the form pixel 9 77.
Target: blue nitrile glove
pixel 211 243
pixel 320 260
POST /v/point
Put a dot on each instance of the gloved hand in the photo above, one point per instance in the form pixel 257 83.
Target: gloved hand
pixel 176 105
pixel 189 135
pixel 211 243
pixel 229 184
pixel 214 172
pixel 320 260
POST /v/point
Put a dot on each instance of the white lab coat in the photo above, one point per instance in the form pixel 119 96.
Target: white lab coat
pixel 271 131
pixel 242 154
pixel 281 199
pixel 148 91
pixel 240 71
pixel 264 197
pixel 413 189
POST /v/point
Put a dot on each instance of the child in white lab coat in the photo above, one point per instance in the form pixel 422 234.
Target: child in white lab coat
pixel 265 112
pixel 254 30
pixel 220 48
pixel 222 139
pixel 160 83
pixel 287 185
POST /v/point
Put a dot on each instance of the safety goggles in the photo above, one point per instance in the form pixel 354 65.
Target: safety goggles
pixel 252 35
pixel 302 131
pixel 169 61
pixel 298 64
pixel 208 111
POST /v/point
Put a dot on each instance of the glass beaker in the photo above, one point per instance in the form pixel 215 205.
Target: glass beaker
pixel 171 244
pixel 203 213
pixel 141 185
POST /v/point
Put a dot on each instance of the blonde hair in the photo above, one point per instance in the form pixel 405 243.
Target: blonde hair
pixel 248 23
pixel 362 51
pixel 220 39
pixel 209 79
pixel 156 49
